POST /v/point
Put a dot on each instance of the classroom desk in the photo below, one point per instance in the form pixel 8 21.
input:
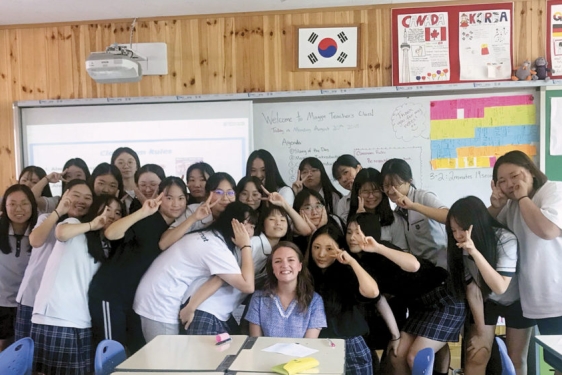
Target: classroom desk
pixel 553 345
pixel 183 353
pixel 167 373
pixel 252 359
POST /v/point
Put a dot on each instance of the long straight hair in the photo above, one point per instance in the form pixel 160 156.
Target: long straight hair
pixel 373 177
pixel 5 220
pixel 273 179
pixel 466 212
pixel 327 186
pixel 223 225
pixel 103 169
pixel 305 286
pixel 201 167
pixel 40 173
pixel 94 238
pixel 78 163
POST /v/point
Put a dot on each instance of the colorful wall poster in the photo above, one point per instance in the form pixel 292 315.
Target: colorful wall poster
pixel 423 42
pixel 473 133
pixel 555 38
pixel 485 44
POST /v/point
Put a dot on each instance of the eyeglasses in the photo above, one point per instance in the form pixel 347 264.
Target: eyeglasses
pixel 255 196
pixel 222 193
pixel 367 193
pixel 22 205
pixel 309 208
pixel 387 187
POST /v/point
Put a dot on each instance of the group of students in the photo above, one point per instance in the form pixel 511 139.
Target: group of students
pixel 127 253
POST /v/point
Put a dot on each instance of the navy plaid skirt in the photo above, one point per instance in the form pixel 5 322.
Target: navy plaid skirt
pixel 206 324
pixel 23 321
pixel 62 350
pixel 437 315
pixel 358 360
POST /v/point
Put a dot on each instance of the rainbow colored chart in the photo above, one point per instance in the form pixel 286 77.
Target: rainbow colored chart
pixel 473 133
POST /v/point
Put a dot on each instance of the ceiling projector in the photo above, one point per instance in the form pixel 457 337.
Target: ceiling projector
pixel 116 65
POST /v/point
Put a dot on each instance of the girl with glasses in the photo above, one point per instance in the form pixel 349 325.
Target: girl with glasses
pixel 147 178
pixel 249 191
pixel 219 193
pixel 127 160
pixel 312 175
pixel 19 215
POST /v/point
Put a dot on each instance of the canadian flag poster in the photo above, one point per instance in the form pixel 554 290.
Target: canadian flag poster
pixel 435 34
pixel 327 47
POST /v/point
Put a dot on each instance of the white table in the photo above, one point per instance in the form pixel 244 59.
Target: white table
pixel 168 373
pixel 551 344
pixel 183 353
pixel 254 360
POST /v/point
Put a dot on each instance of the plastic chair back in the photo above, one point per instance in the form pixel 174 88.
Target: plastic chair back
pixel 17 359
pixel 423 363
pixel 507 365
pixel 109 354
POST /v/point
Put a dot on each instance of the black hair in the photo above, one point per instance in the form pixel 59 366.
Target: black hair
pixel 273 179
pixel 172 180
pixel 241 185
pixel 331 283
pixel 40 173
pixel 125 150
pixel 397 167
pixel 466 212
pixel 223 224
pixel 153 168
pixel 69 185
pixel 344 160
pixel 214 181
pixel 521 159
pixel 369 223
pixel 95 239
pixel 374 177
pixel 304 195
pixel 79 163
pixel 327 186
pixel 107 169
pixel 201 167
pixel 5 220
pixel 266 211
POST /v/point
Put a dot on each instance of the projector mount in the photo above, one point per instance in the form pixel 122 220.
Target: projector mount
pixel 116 49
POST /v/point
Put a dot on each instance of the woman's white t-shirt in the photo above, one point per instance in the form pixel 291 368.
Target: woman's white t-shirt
pixel 179 271
pixel 62 299
pixel 540 275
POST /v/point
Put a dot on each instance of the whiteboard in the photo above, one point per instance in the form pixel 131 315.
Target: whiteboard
pixel 375 130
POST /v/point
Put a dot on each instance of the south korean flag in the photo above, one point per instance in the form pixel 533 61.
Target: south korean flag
pixel 333 47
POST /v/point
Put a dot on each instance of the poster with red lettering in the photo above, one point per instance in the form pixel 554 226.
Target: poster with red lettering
pixel 449 44
pixel 424 47
pixel 485 44
pixel 554 38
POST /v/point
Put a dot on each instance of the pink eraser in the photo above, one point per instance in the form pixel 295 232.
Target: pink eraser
pixel 222 337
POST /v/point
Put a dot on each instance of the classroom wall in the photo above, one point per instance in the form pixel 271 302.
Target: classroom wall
pixel 206 55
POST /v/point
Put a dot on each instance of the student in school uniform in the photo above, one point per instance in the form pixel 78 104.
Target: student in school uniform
pixel 344 170
pixel 127 160
pixel 196 176
pixel 220 191
pixel 112 290
pixel 482 258
pixel 19 215
pixel 75 168
pixel 262 165
pixel 367 196
pixel 106 179
pixel 61 321
pixel 31 175
pixel 344 286
pixel 531 206
pixel 188 264
pixel 287 306
pixel 313 176
pixel 249 191
pixel 74 203
pixel 310 205
pixel 147 178
pixel 423 216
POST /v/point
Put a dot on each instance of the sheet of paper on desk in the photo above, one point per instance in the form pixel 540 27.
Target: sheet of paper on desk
pixel 294 350
pixel 559 342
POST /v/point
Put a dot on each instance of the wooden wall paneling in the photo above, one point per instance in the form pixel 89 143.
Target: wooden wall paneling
pixel 150 84
pixel 65 69
pixel 191 72
pixel 53 42
pixel 230 54
pixel 540 29
pixel 212 47
pixel 272 53
pixel 250 51
pixel 7 175
pixel 174 55
pixel 523 44
pixel 288 58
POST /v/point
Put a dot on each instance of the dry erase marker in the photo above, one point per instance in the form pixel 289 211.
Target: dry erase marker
pixel 222 338
pixel 331 343
pixel 224 341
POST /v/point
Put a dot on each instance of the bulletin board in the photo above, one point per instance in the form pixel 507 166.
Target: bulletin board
pixel 436 45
